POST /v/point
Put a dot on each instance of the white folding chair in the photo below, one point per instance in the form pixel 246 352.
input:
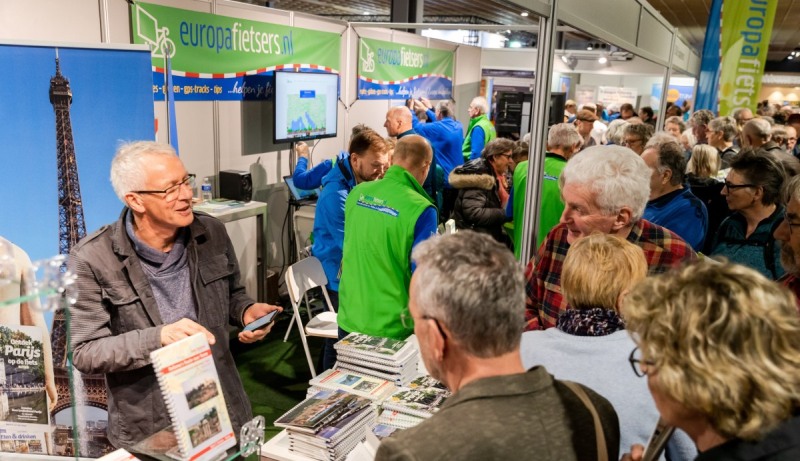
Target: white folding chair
pixel 301 277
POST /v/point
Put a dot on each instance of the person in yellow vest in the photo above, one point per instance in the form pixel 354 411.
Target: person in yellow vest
pixel 480 130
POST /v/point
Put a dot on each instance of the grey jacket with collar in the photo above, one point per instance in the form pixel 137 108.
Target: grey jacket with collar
pixel 116 323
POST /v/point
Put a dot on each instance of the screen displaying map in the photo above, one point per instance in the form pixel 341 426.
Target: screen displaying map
pixel 305 105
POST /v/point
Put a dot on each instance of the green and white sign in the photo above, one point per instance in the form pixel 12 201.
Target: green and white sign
pixel 217 57
pixel 388 70
pixel 746 29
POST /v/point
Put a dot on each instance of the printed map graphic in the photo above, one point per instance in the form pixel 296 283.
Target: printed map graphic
pixel 306 115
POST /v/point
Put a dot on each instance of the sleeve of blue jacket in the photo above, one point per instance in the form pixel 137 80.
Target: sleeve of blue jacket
pixel 425 228
pixel 477 141
pixel 310 179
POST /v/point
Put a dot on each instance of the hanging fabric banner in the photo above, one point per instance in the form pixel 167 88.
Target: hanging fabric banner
pixel 746 30
pixel 708 81
pixel 389 70
pixel 224 58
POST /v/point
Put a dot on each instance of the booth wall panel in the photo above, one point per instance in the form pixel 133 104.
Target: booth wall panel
pixel 654 36
pixel 681 56
pixel 58 21
pixel 611 20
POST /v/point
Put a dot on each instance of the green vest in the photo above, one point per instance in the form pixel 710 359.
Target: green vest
pixel 379 221
pixel 551 207
pixel 488 129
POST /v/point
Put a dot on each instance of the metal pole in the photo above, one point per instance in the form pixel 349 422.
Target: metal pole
pixel 539 118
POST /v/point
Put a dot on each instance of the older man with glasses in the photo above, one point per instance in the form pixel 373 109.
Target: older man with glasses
pixel 158 274
pixel 788 235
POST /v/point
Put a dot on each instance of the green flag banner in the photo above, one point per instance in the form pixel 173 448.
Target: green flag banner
pixel 389 70
pixel 217 57
pixel 746 29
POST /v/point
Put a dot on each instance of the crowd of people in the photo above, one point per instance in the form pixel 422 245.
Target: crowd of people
pixel 675 253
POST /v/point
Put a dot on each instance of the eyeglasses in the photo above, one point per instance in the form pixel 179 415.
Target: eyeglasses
pixel 631 141
pixel 408 321
pixel 789 223
pixel 171 193
pixel 731 186
pixel 636 363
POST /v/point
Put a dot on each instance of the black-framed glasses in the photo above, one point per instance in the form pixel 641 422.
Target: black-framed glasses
pixel 171 193
pixel 408 321
pixel 636 363
pixel 792 225
pixel 631 141
pixel 731 186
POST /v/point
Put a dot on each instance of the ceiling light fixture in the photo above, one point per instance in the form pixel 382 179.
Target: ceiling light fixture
pixel 524 14
pixel 565 59
pixel 515 44
pixel 366 13
pixel 602 60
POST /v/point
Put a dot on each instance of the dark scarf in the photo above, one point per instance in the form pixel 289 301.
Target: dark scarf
pixel 595 321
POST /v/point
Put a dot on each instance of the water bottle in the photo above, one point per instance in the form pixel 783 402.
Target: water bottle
pixel 206 190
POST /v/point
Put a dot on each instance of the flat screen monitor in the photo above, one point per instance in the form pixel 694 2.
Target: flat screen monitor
pixel 305 106
pixel 300 195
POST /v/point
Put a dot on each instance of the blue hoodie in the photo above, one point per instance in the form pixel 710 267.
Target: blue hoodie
pixel 446 137
pixel 329 218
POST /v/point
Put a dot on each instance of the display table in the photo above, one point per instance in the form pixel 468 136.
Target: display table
pixel 246 223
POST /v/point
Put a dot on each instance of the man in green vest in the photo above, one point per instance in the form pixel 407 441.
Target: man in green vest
pixel 383 221
pixel 563 141
pixel 480 130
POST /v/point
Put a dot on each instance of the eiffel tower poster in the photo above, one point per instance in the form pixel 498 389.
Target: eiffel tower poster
pixel 58 188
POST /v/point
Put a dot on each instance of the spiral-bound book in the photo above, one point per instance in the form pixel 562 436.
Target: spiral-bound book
pixel 191 389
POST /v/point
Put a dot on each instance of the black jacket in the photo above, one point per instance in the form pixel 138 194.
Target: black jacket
pixel 478 206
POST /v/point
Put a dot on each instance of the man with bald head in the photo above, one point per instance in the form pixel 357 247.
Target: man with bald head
pixel 384 220
pixel 398 122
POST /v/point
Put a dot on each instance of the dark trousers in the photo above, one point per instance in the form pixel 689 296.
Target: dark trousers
pixel 328 358
pixel 449 196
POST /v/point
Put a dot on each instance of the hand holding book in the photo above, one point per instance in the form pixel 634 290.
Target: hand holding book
pixel 183 328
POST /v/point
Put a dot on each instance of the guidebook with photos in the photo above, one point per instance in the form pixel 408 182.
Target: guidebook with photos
pixel 191 388
pixel 322 408
pixel 385 348
pixel 354 383
pixel 424 401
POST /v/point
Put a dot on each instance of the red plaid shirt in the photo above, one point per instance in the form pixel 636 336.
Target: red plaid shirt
pixel 662 248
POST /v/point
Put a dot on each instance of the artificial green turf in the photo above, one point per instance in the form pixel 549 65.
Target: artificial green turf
pixel 274 373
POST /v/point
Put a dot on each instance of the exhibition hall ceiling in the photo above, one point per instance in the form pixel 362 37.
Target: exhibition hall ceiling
pixel 689 16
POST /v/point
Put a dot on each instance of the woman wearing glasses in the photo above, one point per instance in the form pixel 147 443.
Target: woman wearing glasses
pixel 720 346
pixel 483 191
pixel 752 191
pixel 590 345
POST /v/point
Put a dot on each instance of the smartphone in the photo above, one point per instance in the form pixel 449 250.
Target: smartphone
pixel 658 441
pixel 261 322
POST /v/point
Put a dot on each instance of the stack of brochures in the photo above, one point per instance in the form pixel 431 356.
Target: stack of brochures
pixel 412 404
pixel 375 389
pixel 390 359
pixel 328 425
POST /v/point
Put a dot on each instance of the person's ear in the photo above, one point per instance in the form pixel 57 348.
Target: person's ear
pixel 623 219
pixel 135 202
pixel 666 176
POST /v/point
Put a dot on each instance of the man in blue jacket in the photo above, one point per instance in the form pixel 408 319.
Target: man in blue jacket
pixel 367 160
pixel 446 136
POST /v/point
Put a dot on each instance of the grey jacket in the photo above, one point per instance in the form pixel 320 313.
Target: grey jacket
pixel 116 323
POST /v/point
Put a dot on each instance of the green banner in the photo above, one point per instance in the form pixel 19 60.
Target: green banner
pixel 746 30
pixel 223 58
pixel 388 70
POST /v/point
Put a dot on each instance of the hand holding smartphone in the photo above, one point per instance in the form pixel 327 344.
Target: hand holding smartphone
pixel 261 322
pixel 658 441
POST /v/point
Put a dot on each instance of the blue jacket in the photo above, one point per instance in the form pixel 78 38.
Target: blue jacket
pixel 446 137
pixel 329 218
pixel 311 179
pixel 681 212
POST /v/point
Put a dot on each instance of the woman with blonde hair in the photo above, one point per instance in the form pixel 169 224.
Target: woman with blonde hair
pixel 589 344
pixel 704 163
pixel 720 347
pixel 701 174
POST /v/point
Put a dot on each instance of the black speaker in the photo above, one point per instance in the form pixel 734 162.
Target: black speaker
pixel 236 185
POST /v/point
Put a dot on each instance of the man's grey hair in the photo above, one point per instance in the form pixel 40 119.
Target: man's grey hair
pixel 473 285
pixel 737 114
pixel 445 108
pixel 641 130
pixel 563 135
pixel 702 117
pixel 127 167
pixel 661 138
pixel 671 157
pixel 791 190
pixel 758 127
pixel 725 125
pixel 480 103
pixel 615 175
pixel 616 131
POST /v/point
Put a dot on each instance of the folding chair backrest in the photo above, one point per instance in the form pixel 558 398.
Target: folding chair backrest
pixel 303 276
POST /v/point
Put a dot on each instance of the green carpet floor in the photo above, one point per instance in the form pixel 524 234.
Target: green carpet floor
pixel 275 374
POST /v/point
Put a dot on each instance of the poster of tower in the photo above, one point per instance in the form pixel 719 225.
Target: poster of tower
pixel 65 110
